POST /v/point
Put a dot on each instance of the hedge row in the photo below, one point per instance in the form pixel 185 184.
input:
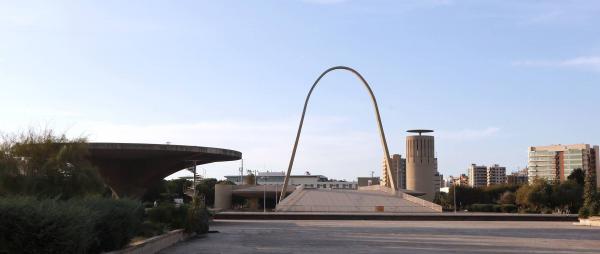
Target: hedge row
pixel 91 225
pixel 494 208
pixel 190 217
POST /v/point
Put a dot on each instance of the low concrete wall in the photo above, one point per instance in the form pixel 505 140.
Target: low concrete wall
pixel 593 221
pixel 394 217
pixel 155 244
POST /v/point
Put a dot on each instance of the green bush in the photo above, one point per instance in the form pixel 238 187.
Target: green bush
pixel 508 208
pixel 488 208
pixel 192 218
pixel 169 214
pixel 150 229
pixel 29 225
pixel 197 220
pixel 584 213
pixel 482 208
pixel 115 221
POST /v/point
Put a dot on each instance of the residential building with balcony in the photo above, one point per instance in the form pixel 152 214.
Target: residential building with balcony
pixel 556 162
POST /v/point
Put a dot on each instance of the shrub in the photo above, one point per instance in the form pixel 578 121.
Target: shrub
pixel 29 225
pixel 115 221
pixel 192 218
pixel 508 208
pixel 197 218
pixel 484 208
pixel 150 229
pixel 508 198
pixel 169 214
pixel 584 213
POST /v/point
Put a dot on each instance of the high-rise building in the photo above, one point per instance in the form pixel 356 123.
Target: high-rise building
pixel 421 164
pixel 496 175
pixel 398 165
pixel 556 162
pixel 477 176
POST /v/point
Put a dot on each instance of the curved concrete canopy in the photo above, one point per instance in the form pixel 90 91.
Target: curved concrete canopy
pixel 131 168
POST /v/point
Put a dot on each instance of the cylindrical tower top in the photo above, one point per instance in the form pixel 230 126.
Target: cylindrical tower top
pixel 420 131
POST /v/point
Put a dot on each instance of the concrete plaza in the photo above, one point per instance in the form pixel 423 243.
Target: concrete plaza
pixel 352 236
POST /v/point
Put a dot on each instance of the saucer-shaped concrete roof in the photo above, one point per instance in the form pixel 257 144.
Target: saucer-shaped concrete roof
pixel 131 168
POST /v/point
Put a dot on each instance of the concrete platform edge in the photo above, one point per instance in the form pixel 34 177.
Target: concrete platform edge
pixel 395 217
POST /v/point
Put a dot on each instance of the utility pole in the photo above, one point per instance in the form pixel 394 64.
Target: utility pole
pixel 264 195
pixel 194 172
pixel 242 173
pixel 256 177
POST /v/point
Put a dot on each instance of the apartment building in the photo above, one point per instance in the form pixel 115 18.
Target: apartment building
pixel 556 162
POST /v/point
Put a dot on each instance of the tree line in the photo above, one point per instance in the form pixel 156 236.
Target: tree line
pixel 578 193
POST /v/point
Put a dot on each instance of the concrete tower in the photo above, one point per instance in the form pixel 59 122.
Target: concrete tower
pixel 421 164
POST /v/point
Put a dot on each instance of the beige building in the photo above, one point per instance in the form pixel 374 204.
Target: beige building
pixel 481 176
pixel 517 178
pixel 368 181
pixel 477 176
pixel 556 162
pixel 496 175
pixel 462 180
pixel 438 181
pixel 398 165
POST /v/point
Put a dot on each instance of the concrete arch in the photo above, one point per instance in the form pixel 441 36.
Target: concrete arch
pixel 378 118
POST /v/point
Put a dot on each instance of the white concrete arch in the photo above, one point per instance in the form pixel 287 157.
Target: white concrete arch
pixel 377 115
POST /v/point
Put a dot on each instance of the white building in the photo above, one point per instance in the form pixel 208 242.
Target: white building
pixel 306 180
pixel 477 176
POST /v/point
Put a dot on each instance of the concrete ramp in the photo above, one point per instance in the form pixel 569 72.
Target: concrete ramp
pixel 357 201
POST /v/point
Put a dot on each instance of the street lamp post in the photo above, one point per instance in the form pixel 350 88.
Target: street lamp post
pixel 265 194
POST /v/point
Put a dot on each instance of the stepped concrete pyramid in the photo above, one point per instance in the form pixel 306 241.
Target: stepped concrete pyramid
pixel 372 199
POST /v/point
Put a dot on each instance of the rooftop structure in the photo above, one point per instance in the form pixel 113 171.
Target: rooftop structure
pixel 130 169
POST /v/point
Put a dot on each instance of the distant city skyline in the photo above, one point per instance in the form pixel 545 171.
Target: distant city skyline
pixel 491 78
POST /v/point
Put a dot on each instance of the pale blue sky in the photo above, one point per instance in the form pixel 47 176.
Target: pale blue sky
pixel 491 77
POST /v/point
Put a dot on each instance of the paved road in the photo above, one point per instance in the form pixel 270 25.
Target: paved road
pixel 413 237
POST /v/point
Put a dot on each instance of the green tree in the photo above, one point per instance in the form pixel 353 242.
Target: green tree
pixel 567 196
pixel 43 164
pixel 535 197
pixel 508 197
pixel 206 187
pixel 590 192
pixel 176 189
pixel 577 175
